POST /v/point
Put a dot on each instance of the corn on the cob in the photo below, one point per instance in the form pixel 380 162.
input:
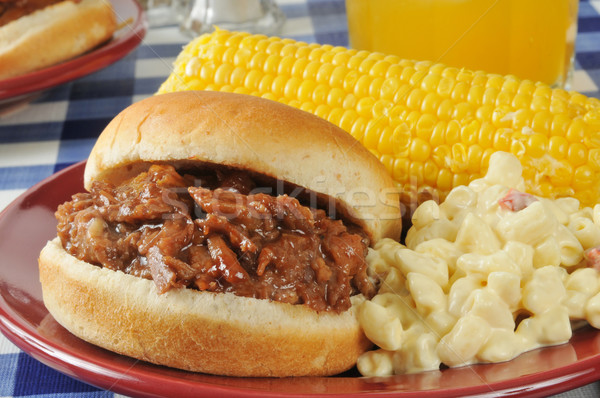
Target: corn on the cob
pixel 434 127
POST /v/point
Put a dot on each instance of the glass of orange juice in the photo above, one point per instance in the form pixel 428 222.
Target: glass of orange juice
pixel 531 39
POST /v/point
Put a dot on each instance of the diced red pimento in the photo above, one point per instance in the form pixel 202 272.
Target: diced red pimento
pixel 592 258
pixel 516 200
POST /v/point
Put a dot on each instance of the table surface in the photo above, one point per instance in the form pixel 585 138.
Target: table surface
pixel 60 126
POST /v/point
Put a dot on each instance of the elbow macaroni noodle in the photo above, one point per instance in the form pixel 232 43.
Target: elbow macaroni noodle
pixel 477 282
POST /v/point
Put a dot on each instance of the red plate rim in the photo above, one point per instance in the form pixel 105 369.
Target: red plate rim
pixel 130 377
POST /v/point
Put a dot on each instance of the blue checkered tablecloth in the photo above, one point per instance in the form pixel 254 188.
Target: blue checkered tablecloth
pixel 60 127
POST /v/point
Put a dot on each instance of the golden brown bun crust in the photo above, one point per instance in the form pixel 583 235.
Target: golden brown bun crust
pixel 254 134
pixel 54 34
pixel 215 333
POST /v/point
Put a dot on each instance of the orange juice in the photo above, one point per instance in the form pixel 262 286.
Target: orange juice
pixel 531 39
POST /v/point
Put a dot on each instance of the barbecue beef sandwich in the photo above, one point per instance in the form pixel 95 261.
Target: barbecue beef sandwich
pixel 221 233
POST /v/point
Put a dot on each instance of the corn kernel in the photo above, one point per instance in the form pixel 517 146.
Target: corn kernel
pixel 489 96
pixel 373 131
pixel 475 96
pixel 486 135
pixel 419 150
pixel 311 69
pixel 460 179
pixel 517 148
pixel 594 159
pixel 502 139
pixel 309 107
pixel 445 110
pixel 444 180
pixel 375 87
pixel 238 77
pixel 576 130
pixel 583 177
pixel 412 119
pixel 382 108
pixel 320 93
pixel 322 111
pixel 431 103
pixel 400 169
pixel 522 118
pixel 540 104
pixel 445 87
pixel 425 126
pixel 541 122
pixel 442 156
pixel 474 154
pixel 452 135
pixel 460 92
pixel 484 113
pixel 415 171
pixel 350 101
pixel 389 88
pixel 560 124
pixel 299 67
pixel 324 73
pixel 348 119
pixel 558 147
pixel 223 74
pixel 291 87
pixel 305 90
pixel 577 154
pixel 359 128
pixel 561 173
pixel 289 50
pixel 537 145
pixel 417 78
pixel 361 89
pixel 469 132
pixel 338 74
pixel 462 111
pixel 278 86
pixel 365 106
pixel 438 133
pixel 380 68
pixel 258 61
pixel 366 65
pixel 415 98
pixel 286 65
pixel 336 97
pixel 385 145
pixel 459 158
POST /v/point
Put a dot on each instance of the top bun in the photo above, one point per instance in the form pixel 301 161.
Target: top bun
pixel 255 134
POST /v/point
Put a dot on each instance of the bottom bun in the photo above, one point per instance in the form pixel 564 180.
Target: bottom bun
pixel 216 333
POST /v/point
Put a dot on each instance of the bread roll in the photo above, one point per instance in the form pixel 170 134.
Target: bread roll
pixel 54 34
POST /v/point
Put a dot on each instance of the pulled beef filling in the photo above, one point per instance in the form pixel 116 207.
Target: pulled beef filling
pixel 210 233
pixel 11 10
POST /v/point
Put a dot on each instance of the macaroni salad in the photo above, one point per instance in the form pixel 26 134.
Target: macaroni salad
pixel 486 275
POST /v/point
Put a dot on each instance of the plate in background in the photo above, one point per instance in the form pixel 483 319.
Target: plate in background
pixel 132 20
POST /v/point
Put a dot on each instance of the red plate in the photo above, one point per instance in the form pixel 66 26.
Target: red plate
pixel 29 222
pixel 124 40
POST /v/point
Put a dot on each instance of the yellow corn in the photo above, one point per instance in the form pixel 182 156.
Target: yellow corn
pixel 434 127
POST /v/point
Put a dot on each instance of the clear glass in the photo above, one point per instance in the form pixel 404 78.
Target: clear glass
pixel 531 39
pixel 165 12
pixel 255 16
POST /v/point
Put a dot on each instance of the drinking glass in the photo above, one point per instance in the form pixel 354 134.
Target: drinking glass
pixel 254 16
pixel 531 39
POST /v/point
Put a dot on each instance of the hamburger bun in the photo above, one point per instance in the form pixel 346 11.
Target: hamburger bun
pixel 221 333
pixel 54 34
